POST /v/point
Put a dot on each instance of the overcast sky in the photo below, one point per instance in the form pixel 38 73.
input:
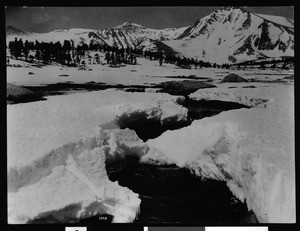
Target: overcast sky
pixel 45 19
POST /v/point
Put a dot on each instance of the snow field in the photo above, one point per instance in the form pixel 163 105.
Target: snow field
pixel 148 72
pixel 251 149
pixel 71 117
pixel 76 173
pixel 48 156
pixel 43 168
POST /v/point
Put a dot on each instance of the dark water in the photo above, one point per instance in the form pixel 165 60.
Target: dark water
pixel 198 109
pixel 169 193
pixel 148 128
pixel 173 194
pixel 151 128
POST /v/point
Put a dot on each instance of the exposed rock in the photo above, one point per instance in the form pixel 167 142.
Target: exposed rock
pixel 184 87
pixel 233 78
pixel 16 94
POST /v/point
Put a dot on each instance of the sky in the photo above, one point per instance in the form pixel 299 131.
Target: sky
pixel 45 19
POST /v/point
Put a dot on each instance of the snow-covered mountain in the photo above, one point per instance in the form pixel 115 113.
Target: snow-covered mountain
pixel 235 35
pixel 135 36
pixel 10 30
pixel 228 35
pixel 77 35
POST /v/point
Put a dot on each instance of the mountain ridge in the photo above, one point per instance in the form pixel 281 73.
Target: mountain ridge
pixel 227 35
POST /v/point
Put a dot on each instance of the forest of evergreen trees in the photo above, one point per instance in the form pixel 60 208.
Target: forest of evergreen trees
pixel 71 55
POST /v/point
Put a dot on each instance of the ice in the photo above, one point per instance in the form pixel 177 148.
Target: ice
pixel 73 190
pixel 164 111
pixel 44 168
pixel 71 117
pixel 57 150
pixel 256 97
pixel 251 149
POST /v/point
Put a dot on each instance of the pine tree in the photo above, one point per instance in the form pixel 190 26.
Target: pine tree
pixel 58 52
pixel 26 49
pixel 38 53
pixel 12 48
pixel 66 51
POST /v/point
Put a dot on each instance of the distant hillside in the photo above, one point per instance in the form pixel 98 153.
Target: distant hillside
pixel 228 35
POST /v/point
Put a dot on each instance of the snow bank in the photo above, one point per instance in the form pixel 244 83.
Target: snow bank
pixel 251 149
pixel 39 127
pixel 56 175
pixel 253 97
pixel 164 111
pixel 71 182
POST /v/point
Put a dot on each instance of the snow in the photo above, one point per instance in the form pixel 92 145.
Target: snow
pixel 58 148
pixel 215 40
pixel 70 117
pixel 129 24
pixel 147 73
pixel 120 36
pixel 75 34
pixel 83 184
pixel 251 149
pixel 256 97
pixel 100 73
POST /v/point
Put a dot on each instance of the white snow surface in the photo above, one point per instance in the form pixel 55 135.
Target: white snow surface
pixel 145 73
pixel 224 36
pixel 74 187
pixel 131 74
pixel 78 35
pixel 54 172
pixel 38 127
pixel 252 97
pixel 251 149
pixel 58 148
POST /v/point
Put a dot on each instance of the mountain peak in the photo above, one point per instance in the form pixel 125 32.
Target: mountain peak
pixel 128 25
pixel 13 30
pixel 230 8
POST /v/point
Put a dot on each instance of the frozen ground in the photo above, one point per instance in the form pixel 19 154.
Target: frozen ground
pixel 251 149
pixel 58 148
pixel 146 72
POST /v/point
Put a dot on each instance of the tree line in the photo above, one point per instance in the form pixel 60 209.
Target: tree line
pixel 46 52
pixel 69 54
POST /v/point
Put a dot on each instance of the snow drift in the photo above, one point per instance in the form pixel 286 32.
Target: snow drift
pixel 71 183
pixel 251 149
pixel 56 174
pixel 62 177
